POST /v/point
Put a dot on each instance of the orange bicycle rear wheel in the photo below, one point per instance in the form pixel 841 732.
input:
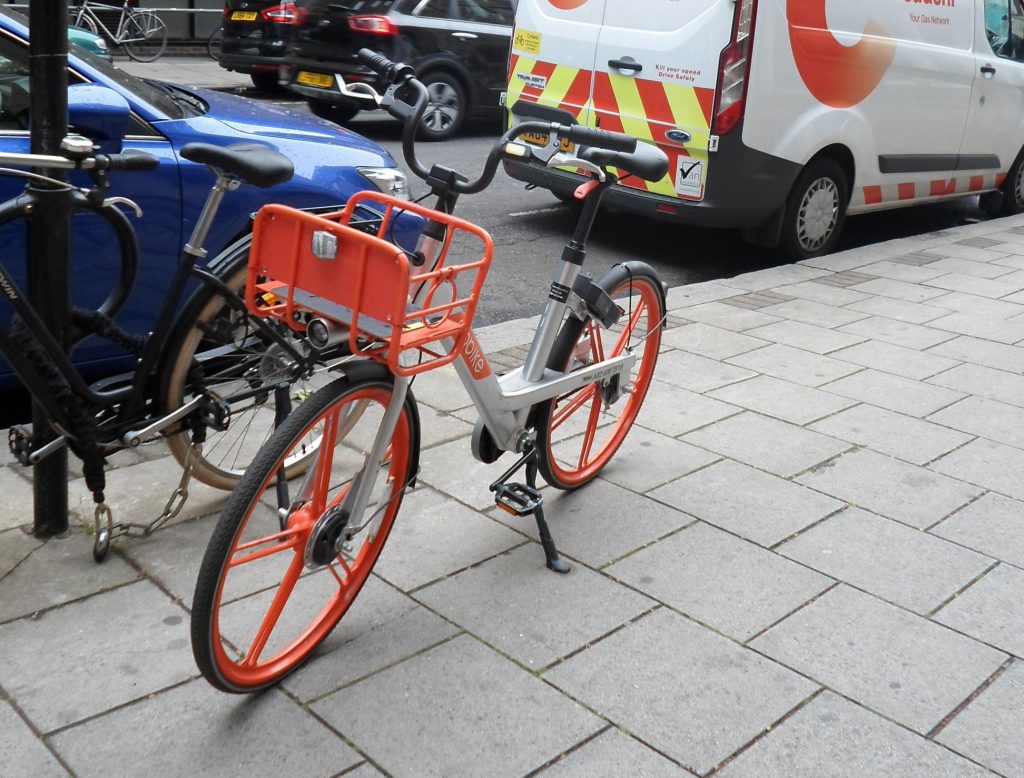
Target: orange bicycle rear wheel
pixel 262 605
pixel 579 432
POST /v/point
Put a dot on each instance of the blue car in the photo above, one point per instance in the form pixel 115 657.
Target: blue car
pixel 331 164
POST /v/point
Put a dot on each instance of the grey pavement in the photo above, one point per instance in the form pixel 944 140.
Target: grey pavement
pixel 807 560
pixel 191 71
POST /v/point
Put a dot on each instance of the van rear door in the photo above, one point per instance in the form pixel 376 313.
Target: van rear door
pixel 552 54
pixel 655 76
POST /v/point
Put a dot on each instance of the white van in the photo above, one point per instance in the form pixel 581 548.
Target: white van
pixel 782 116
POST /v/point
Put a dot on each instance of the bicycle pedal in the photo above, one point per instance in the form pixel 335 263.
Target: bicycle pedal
pixel 517 499
pixel 19 441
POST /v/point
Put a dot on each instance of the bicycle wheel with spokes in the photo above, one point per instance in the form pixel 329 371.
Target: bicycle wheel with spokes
pixel 579 432
pixel 86 22
pixel 233 360
pixel 263 600
pixel 144 36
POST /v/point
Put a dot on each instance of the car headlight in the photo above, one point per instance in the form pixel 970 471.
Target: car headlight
pixel 100 44
pixel 389 180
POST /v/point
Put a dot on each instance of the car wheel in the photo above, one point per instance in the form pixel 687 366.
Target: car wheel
pixel 446 107
pixel 265 80
pixel 1013 189
pixel 339 113
pixel 815 210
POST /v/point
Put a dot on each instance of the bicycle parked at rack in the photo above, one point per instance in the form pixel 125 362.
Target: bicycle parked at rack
pixel 287 558
pixel 214 43
pixel 141 33
pixel 211 379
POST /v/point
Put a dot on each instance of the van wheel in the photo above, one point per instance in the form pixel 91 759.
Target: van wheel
pixel 1013 189
pixel 815 210
pixel 446 107
pixel 339 113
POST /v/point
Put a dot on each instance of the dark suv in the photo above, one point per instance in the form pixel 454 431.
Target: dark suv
pixel 459 49
pixel 255 35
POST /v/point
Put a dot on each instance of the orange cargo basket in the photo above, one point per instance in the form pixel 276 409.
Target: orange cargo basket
pixel 302 263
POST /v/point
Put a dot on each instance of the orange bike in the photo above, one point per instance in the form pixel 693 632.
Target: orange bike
pixel 288 558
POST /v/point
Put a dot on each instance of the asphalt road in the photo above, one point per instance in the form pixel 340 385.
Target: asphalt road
pixel 530 227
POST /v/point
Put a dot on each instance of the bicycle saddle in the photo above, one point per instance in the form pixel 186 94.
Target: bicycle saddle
pixel 254 163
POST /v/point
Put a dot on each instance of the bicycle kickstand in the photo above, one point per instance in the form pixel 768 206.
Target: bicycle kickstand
pixel 523 499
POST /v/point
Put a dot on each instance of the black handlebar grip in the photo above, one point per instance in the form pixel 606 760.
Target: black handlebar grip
pixel 393 72
pixel 602 139
pixel 128 160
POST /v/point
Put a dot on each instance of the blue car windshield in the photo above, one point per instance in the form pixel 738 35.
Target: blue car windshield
pixel 176 104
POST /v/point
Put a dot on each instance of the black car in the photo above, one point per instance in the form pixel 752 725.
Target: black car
pixel 255 35
pixel 459 49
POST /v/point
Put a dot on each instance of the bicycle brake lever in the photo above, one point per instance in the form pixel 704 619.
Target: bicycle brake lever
pixel 559 160
pixel 358 91
pixel 124 201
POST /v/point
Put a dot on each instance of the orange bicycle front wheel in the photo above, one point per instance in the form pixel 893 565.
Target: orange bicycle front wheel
pixel 263 601
pixel 579 432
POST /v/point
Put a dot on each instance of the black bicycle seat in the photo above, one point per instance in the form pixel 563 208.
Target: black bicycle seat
pixel 254 163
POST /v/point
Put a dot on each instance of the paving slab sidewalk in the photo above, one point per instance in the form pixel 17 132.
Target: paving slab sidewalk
pixel 807 561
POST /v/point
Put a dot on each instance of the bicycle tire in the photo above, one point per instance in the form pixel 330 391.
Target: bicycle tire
pixel 85 22
pixel 254 591
pixel 586 445
pixel 147 36
pixel 213 43
pixel 209 331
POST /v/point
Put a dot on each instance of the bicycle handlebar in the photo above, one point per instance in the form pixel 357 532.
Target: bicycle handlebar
pixel 399 75
pixel 128 160
pixel 393 72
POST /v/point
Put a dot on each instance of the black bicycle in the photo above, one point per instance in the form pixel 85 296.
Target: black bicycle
pixel 209 378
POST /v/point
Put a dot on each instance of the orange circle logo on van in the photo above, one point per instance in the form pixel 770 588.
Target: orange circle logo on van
pixel 567 5
pixel 838 76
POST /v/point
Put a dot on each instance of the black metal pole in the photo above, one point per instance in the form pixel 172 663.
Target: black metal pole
pixel 49 237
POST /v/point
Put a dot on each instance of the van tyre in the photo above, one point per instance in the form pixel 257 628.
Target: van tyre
pixel 1013 189
pixel 339 113
pixel 815 210
pixel 446 107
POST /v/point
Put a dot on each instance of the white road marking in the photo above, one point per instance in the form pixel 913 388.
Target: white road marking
pixel 538 210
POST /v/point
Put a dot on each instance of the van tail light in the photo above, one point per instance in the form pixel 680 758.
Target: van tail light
pixel 372 25
pixel 286 13
pixel 734 70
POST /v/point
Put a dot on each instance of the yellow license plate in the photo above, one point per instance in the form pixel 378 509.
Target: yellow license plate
pixel 244 16
pixel 542 138
pixel 315 79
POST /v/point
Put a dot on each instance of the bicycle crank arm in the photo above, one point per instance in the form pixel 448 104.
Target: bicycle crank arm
pixel 133 439
pixel 53 446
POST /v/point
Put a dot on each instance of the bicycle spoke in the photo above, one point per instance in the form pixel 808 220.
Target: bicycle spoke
pixel 591 432
pixel 578 400
pixel 596 343
pixel 325 462
pixel 634 321
pixel 290 534
pixel 274 612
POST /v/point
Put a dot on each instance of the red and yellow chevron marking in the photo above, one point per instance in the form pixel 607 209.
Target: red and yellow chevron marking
pixel 567 88
pixel 647 109
pixel 643 108
pixel 922 190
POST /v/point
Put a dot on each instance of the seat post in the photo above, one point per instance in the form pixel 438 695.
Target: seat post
pixel 222 185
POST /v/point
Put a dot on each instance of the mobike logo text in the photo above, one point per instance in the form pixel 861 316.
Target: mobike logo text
pixel 473 356
pixel 838 76
pixel 567 5
pixel 946 3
